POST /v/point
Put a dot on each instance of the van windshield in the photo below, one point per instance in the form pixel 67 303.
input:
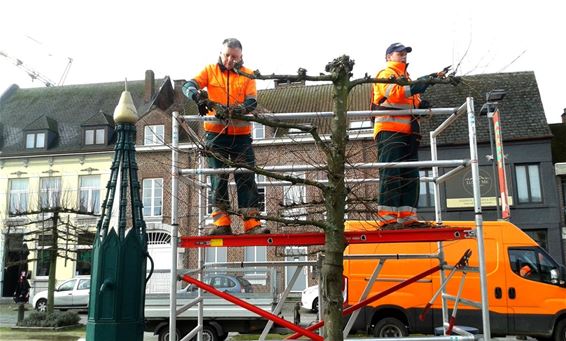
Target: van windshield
pixel 535 264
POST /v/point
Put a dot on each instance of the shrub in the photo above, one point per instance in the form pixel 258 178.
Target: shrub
pixel 56 319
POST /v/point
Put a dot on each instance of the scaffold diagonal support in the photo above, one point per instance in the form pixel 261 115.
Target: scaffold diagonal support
pixel 276 319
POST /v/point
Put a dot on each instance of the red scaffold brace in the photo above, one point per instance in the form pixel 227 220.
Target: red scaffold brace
pixel 276 319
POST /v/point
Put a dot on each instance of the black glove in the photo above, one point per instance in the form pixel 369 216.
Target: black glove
pixel 419 88
pixel 221 112
pixel 425 104
pixel 203 104
pixel 204 107
pixel 237 110
pixel 200 95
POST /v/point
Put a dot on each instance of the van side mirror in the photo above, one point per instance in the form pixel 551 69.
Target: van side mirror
pixel 558 276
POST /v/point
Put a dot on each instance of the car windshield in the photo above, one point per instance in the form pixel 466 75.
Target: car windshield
pixel 67 286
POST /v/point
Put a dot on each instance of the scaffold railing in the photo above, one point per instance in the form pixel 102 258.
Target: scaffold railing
pixel 437 234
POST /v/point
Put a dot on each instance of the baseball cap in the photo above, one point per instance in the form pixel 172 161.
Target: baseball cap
pixel 398 47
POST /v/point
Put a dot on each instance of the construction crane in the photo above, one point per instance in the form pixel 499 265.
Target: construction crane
pixel 35 74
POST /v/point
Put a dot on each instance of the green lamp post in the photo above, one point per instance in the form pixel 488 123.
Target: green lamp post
pixel 117 291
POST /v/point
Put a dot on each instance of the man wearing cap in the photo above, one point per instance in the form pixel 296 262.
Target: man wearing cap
pixel 397 138
pixel 227 138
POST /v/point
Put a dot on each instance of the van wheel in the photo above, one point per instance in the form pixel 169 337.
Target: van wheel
pixel 390 327
pixel 164 334
pixel 560 331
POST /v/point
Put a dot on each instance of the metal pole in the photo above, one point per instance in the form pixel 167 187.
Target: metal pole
pixel 434 156
pixel 358 166
pixel 494 163
pixel 478 216
pixel 201 255
pixel 327 114
pixel 174 225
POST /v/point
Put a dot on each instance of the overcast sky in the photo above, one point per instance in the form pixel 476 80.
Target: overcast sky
pixel 113 40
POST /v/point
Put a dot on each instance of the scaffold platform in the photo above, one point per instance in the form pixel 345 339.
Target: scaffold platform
pixel 318 238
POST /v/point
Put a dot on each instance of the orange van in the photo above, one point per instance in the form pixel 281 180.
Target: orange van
pixel 526 287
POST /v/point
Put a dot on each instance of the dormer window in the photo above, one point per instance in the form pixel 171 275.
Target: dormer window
pixel 98 130
pixel 35 140
pixel 94 136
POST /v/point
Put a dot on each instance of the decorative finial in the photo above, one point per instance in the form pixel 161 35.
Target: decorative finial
pixel 125 111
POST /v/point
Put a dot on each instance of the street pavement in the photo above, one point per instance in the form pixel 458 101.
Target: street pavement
pixel 9 317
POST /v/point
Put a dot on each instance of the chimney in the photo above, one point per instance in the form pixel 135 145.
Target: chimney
pixel 149 87
pixel 564 116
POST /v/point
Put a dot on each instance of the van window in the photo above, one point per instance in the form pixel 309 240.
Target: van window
pixel 534 264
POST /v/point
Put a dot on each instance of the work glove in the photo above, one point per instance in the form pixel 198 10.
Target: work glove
pixel 204 107
pixel 203 104
pixel 425 104
pixel 222 112
pixel 419 88
pixel 237 110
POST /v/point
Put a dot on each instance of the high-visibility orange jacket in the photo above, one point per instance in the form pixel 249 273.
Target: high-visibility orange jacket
pixel 395 97
pixel 227 88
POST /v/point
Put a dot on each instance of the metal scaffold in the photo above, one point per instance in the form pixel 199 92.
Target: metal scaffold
pixel 438 233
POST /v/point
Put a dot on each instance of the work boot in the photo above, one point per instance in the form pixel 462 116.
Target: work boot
pixel 219 231
pixel 258 230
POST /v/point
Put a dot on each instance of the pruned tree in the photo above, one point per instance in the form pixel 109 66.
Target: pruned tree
pixel 52 233
pixel 334 191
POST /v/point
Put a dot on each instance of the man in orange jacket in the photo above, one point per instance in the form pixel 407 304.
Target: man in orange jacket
pixel 397 138
pixel 226 138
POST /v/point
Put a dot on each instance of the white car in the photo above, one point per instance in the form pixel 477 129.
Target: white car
pixel 71 294
pixel 309 298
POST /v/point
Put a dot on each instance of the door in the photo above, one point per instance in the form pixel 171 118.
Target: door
pixel 531 270
pixel 296 254
pixel 64 293
pixel 80 297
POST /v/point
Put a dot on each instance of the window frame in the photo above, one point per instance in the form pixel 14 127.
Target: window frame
pixel 527 183
pixel 256 129
pixel 299 213
pixel 84 245
pixel 540 262
pixel 151 206
pixel 95 137
pixel 51 196
pixel 151 135
pixel 36 139
pixel 19 192
pixel 43 251
pixel 89 189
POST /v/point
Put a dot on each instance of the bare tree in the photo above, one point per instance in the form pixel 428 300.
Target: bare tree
pixel 334 191
pixel 50 229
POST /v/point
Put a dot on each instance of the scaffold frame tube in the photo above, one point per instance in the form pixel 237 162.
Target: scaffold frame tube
pixel 323 114
pixel 460 164
pixel 300 168
pixel 174 225
pixel 478 216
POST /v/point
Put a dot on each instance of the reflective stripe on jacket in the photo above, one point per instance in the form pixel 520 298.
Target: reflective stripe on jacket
pixel 394 96
pixel 227 88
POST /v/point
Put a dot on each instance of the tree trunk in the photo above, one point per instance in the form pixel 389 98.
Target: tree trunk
pixel 335 202
pixel 52 263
